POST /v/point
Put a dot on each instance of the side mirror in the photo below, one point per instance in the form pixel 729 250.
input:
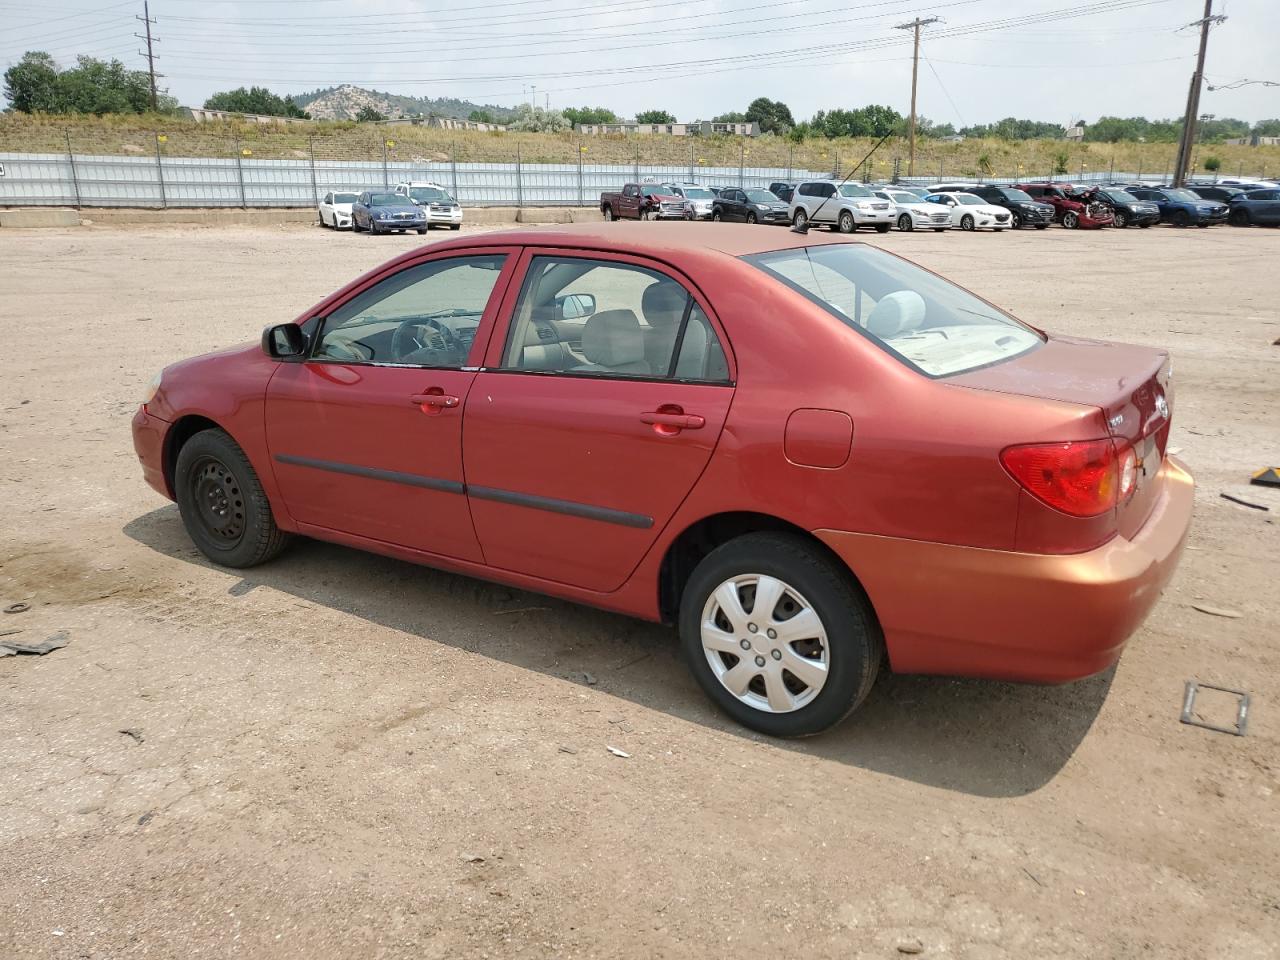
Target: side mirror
pixel 574 306
pixel 284 341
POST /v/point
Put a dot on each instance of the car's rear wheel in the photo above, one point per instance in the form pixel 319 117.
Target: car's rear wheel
pixel 778 635
pixel 801 219
pixel 1239 218
pixel 905 223
pixel 968 223
pixel 1181 219
pixel 608 213
pixel 222 503
pixel 845 223
pixel 1071 220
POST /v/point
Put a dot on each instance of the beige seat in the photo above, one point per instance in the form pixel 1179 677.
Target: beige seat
pixel 613 342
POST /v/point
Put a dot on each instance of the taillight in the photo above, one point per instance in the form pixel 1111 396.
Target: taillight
pixel 1083 478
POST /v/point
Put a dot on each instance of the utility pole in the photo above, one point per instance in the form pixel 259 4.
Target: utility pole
pixel 914 26
pixel 150 54
pixel 1187 141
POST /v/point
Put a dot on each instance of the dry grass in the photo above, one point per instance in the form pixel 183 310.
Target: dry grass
pixel 345 140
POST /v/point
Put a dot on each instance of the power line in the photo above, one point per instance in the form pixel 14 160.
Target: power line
pixel 150 54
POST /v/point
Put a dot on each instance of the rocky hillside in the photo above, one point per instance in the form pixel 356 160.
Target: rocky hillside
pixel 345 101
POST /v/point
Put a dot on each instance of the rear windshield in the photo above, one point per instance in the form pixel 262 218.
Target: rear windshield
pixel 928 323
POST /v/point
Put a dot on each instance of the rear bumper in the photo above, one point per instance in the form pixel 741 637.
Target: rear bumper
pixel 148 443
pixel 1013 616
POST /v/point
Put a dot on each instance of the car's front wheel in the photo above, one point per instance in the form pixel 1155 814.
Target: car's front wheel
pixel 778 635
pixel 845 223
pixel 1181 219
pixel 1071 220
pixel 905 223
pixel 716 218
pixel 1239 217
pixel 751 218
pixel 968 223
pixel 1120 219
pixel 222 503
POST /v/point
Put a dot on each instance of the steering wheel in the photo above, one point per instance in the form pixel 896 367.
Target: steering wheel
pixel 405 340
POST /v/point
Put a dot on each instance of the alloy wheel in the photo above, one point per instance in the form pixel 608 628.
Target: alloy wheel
pixel 1070 220
pixel 905 224
pixel 1120 219
pixel 846 222
pixel 765 643
pixel 1015 219
pixel 801 219
pixel 967 222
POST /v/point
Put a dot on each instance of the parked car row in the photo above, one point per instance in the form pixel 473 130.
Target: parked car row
pixel 410 205
pixel 846 206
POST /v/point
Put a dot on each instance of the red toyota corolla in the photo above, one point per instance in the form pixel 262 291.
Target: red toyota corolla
pixel 806 452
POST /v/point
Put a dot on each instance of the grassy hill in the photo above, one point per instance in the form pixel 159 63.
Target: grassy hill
pixel 344 102
pixel 132 134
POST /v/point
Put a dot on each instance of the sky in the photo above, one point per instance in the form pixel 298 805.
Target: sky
pixel 983 60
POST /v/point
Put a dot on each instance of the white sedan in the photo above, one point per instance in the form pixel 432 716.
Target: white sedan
pixel 335 209
pixel 969 212
pixel 911 213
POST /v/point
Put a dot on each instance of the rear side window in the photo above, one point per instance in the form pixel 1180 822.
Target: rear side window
pixel 926 322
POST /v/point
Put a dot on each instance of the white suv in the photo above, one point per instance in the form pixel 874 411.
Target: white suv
pixel 435 201
pixel 845 206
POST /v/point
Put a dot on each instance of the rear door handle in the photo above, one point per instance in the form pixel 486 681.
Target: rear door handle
pixel 680 421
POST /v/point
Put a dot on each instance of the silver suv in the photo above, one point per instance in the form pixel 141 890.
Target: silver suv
pixel 697 199
pixel 846 206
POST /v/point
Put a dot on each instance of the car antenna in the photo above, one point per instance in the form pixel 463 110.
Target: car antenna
pixel 804 228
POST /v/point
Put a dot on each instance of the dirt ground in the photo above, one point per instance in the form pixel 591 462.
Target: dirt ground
pixel 343 756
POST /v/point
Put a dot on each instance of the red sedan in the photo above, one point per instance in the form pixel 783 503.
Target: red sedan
pixel 810 454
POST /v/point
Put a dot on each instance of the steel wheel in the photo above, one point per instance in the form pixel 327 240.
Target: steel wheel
pixel 967 222
pixel 765 643
pixel 905 224
pixel 218 500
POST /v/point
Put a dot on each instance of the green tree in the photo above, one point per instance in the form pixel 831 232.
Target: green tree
pixel 31 84
pixel 1060 163
pixel 654 116
pixel 254 100
pixel 481 116
pixel 774 116
pixel 869 121
pixel 368 114
pixel 730 117
pixel 1267 128
pixel 537 120
pixel 577 115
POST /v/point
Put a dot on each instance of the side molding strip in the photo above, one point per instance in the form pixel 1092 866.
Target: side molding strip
pixel 392 476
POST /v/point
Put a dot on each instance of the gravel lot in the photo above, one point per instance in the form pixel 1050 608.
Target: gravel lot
pixel 343 756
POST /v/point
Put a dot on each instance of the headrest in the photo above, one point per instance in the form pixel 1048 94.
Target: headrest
pixel 895 314
pixel 663 304
pixel 612 338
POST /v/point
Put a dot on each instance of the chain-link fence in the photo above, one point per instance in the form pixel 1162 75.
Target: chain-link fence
pixel 194 167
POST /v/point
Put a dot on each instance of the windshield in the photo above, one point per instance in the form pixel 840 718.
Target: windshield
pixel 1181 195
pixel 761 196
pixel 698 193
pixel 969 200
pixel 344 198
pixel 385 200
pixel 926 322
pixel 1011 193
pixel 904 197
pixel 853 190
pixel 430 195
pixel 1120 196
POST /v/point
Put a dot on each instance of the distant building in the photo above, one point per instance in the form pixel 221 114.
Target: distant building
pixel 699 128
pixel 1254 141
pixel 201 115
pixel 1074 133
pixel 444 123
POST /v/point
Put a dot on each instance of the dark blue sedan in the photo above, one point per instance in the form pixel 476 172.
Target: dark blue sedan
pixel 1260 207
pixel 1181 207
pixel 382 212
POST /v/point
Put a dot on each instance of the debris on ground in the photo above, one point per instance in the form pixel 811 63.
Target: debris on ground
pixel 133 732
pixel 145 818
pixel 564 749
pixel 56 642
pixel 1190 717
pixel 503 613
pixel 17 608
pixel 590 680
pixel 472 858
pixel 620 753
pixel 911 946
pixel 1267 477
pixel 1217 611
pixel 8 633
pixel 1243 502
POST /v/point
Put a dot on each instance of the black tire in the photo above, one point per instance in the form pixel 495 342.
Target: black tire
pixel 1239 218
pixel 1041 226
pixel 800 219
pixel 1015 218
pixel 905 223
pixel 1071 220
pixel 322 223
pixel 751 218
pixel 455 226
pixel 715 217
pixel 1181 218
pixel 608 212
pixel 855 645
pixel 968 223
pixel 1143 226
pixel 355 224
pixel 421 231
pixel 883 227
pixel 845 223
pixel 223 507
pixel 1120 219
pixel 997 229
pixel 939 229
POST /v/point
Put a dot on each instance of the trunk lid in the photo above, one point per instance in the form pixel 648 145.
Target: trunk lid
pixel 1128 383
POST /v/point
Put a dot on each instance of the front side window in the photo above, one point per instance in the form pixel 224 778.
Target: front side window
pixel 926 322
pixel 423 316
pixel 595 318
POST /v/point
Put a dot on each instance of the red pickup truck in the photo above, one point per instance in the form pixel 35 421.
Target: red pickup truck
pixel 641 201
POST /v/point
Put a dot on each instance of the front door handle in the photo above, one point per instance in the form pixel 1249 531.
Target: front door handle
pixel 671 420
pixel 434 401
